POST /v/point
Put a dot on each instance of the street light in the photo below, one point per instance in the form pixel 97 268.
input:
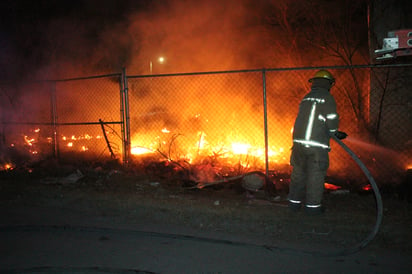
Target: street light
pixel 160 60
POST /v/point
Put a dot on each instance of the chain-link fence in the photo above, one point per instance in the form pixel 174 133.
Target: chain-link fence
pixel 72 120
pixel 88 112
pixel 228 122
pixel 212 119
pixel 25 117
pixel 225 119
pixel 360 108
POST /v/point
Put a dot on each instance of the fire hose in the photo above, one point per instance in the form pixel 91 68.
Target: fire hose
pixel 378 200
pixel 379 208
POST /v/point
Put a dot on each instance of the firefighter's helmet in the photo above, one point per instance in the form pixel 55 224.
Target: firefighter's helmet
pixel 323 74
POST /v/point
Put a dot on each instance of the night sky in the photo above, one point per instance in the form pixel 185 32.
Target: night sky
pixel 59 39
pixel 35 33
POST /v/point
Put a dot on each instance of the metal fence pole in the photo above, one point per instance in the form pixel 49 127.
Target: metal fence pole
pixel 125 118
pixel 265 122
pixel 54 119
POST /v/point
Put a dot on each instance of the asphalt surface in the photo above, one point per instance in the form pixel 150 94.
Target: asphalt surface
pixel 43 240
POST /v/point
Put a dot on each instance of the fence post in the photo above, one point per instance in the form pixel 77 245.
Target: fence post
pixel 54 119
pixel 265 121
pixel 125 118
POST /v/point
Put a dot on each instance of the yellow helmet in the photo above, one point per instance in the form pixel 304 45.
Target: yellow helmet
pixel 323 74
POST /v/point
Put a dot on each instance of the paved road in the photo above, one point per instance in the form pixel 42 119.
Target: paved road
pixel 36 244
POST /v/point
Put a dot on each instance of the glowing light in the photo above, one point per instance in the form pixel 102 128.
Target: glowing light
pixel 165 130
pixel 140 150
pixel 70 142
pixel 331 186
pixel 367 187
pixel 28 141
pixel 239 148
pixel 202 140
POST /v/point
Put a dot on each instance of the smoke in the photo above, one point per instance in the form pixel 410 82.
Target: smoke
pixel 78 38
pixel 198 36
pixel 192 36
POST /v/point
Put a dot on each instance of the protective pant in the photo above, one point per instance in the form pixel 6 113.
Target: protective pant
pixel 310 165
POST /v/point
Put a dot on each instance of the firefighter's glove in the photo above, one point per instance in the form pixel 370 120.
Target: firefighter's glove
pixel 341 135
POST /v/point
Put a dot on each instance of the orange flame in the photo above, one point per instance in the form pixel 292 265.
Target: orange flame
pixel 233 150
pixel 331 186
pixel 28 140
pixel 141 151
pixel 8 167
pixel 238 148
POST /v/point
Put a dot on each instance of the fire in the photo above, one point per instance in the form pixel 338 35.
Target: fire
pixel 71 141
pixel 80 137
pixel 239 148
pixel 202 140
pixel 331 186
pixel 7 167
pixel 29 140
pixel 141 151
pixel 367 187
pixel 231 149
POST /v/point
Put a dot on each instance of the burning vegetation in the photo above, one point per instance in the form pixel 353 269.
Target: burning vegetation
pixel 201 128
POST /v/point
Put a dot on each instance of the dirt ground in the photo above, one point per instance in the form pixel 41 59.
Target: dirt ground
pixel 136 197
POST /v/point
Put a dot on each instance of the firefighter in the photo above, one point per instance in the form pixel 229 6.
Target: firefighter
pixel 316 120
